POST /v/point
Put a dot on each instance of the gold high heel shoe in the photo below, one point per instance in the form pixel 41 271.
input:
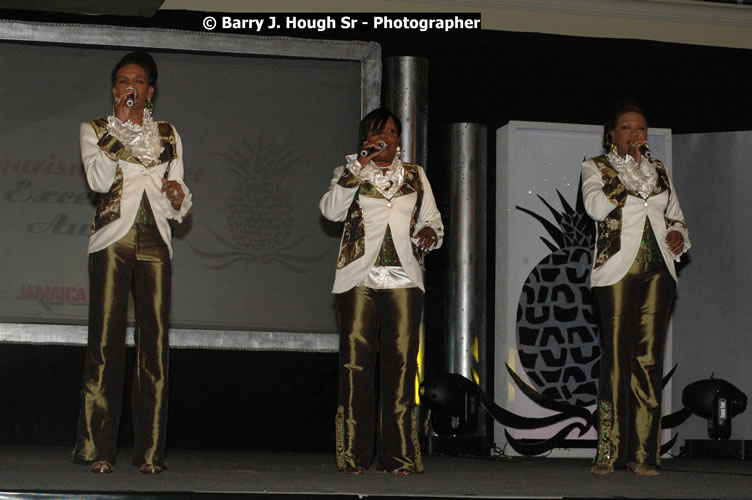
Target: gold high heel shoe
pixel 150 469
pixel 101 467
pixel 602 470
pixel 401 472
pixel 642 469
pixel 354 471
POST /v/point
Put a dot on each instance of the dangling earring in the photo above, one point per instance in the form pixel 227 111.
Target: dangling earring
pixel 611 145
pixel 149 105
pixel 399 152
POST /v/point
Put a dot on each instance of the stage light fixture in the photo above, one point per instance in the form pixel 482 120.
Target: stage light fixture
pixel 716 400
pixel 453 401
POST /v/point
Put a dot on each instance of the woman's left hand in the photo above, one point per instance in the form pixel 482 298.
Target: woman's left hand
pixel 426 238
pixel 675 242
pixel 174 192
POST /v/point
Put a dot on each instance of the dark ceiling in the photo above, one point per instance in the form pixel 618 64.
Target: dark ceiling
pixel 143 8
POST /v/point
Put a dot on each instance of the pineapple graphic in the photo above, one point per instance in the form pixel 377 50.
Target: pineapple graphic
pixel 261 195
pixel 261 218
pixel 557 324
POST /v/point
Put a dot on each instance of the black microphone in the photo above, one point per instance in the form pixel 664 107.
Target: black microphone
pixel 645 151
pixel 380 146
pixel 131 99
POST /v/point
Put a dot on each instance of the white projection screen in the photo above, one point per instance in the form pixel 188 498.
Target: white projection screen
pixel 263 122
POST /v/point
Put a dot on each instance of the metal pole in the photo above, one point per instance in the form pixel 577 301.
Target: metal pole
pixel 406 95
pixel 466 239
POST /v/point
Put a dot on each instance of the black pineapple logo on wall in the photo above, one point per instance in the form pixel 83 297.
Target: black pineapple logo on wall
pixel 557 323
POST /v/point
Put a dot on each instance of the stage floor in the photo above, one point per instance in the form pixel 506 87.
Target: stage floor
pixel 209 474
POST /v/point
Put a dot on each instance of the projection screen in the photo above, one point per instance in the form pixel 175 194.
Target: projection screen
pixel 263 123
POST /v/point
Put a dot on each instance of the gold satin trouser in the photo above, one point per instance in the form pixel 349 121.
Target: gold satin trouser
pixel 379 336
pixel 138 263
pixel 634 317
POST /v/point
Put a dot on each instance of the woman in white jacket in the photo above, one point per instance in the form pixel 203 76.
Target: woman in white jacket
pixel 640 233
pixel 136 165
pixel 390 222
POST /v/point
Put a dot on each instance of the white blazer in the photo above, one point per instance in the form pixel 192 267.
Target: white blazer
pixel 657 208
pixel 377 215
pixel 101 168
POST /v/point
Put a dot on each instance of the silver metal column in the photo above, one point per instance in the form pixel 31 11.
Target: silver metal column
pixel 406 95
pixel 466 241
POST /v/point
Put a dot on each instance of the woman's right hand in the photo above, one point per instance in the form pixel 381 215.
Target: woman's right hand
pixel 634 149
pixel 363 160
pixel 122 110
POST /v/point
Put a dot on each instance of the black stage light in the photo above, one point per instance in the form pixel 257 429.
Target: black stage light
pixel 716 400
pixel 453 401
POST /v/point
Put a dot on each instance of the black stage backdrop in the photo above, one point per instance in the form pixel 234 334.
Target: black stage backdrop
pixel 286 400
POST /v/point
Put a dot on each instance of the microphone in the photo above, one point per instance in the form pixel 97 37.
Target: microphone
pixel 131 99
pixel 380 146
pixel 645 151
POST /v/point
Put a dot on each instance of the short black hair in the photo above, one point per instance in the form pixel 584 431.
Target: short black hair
pixel 376 119
pixel 618 110
pixel 143 59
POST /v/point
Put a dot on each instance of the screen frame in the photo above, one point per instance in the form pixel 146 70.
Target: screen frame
pixel 368 54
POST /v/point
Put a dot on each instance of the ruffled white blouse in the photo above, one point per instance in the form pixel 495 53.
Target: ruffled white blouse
pixel 143 141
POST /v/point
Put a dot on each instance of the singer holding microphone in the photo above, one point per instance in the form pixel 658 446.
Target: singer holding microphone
pixel 390 222
pixel 640 234
pixel 135 164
